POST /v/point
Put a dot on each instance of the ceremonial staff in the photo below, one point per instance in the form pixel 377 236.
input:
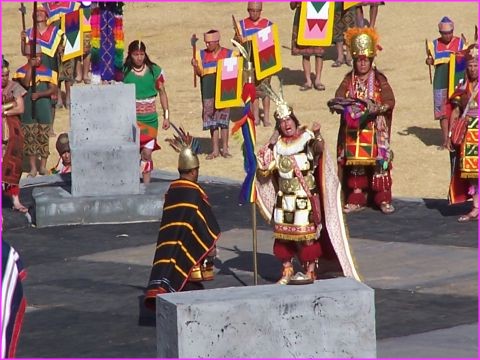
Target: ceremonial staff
pixel 429 54
pixel 193 41
pixel 247 125
pixel 33 50
pixel 23 11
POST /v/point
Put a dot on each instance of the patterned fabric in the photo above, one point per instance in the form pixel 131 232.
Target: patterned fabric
pixel 13 152
pixel 214 118
pixel 13 155
pixel 344 20
pixel 464 180
pixel 107 43
pixel 13 300
pixel 441 51
pixel 248 27
pixel 365 148
pixel 48 40
pixel 188 232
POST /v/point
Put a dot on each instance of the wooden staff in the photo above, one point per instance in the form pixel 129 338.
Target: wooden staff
pixel 429 54
pixel 193 41
pixel 33 54
pixel 23 11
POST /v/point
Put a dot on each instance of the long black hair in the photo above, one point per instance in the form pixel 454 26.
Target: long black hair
pixel 134 46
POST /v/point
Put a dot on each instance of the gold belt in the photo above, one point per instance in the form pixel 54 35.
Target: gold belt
pixel 288 186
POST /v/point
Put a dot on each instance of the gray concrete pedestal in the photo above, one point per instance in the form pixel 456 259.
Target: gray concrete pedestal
pixel 328 319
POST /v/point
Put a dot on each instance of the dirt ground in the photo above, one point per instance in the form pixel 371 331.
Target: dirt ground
pixel 420 169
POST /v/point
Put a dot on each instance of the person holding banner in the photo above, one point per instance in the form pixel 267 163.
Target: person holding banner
pixel 306 52
pixel 205 66
pixel 249 26
pixel 438 55
pixel 298 190
pixel 36 128
pixel 149 79
pixel 365 101
pixel 50 37
pixel 463 133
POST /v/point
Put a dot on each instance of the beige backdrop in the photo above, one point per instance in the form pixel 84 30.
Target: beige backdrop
pixel 420 170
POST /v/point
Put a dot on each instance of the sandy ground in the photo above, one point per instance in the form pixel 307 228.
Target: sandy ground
pixel 420 169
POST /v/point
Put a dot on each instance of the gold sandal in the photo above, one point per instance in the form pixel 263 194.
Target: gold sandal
pixel 286 275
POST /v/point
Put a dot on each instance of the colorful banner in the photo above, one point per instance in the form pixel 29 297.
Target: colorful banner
pixel 456 72
pixel 49 40
pixel 56 9
pixel 248 192
pixel 266 52
pixel 71 23
pixel 348 4
pixel 316 23
pixel 228 87
pixel 85 14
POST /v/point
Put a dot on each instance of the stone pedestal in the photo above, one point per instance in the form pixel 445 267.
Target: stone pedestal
pixel 328 319
pixel 105 180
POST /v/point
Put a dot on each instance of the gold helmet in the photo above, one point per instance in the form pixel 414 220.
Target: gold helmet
pixel 361 42
pixel 187 147
pixel 187 159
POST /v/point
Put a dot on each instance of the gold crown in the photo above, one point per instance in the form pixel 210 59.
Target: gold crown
pixel 283 109
pixel 361 42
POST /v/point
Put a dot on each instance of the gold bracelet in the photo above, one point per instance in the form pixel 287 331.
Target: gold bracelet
pixel 165 114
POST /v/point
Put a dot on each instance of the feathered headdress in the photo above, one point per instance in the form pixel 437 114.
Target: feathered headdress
pixel 283 109
pixel 187 146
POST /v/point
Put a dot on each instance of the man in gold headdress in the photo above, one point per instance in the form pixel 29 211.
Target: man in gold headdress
pixel 187 236
pixel 297 191
pixel 365 101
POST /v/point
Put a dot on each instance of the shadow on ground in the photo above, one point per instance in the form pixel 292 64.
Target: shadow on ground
pixel 430 137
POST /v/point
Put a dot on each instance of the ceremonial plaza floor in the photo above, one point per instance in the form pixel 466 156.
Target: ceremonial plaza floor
pixel 85 283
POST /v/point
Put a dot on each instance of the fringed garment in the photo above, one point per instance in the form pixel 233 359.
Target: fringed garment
pixel 188 232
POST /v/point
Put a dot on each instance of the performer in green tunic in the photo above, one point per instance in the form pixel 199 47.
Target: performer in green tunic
pixel 149 80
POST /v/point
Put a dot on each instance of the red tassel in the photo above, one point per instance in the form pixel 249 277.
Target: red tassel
pixel 357 181
pixel 284 251
pixel 383 196
pixel 310 253
pixel 357 199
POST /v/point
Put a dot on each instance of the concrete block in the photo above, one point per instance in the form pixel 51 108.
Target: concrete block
pixel 328 319
pixel 104 140
pixel 55 205
pixel 100 171
pixel 103 114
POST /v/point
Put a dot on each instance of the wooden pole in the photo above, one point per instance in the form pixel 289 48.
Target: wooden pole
pixel 254 247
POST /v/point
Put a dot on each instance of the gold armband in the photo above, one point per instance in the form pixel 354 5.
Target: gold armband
pixel 8 106
pixel 263 173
